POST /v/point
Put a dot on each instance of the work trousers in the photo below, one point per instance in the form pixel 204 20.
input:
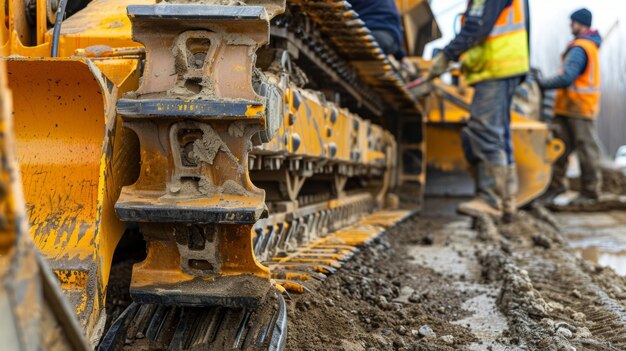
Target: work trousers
pixel 487 136
pixel 580 136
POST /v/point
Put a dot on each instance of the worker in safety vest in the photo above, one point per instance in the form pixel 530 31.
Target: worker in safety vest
pixel 576 107
pixel 493 47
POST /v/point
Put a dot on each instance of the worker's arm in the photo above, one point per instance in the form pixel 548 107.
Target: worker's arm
pixel 480 18
pixel 574 66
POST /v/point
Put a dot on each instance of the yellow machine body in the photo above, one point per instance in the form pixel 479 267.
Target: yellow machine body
pixel 75 156
pixel 534 149
pixel 69 145
pixel 77 161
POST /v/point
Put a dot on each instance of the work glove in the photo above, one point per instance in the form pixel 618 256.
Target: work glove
pixel 439 65
pixel 534 75
pixel 409 68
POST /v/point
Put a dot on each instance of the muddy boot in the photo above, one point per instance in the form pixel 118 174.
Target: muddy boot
pixel 552 193
pixel 511 186
pixel 586 199
pixel 490 181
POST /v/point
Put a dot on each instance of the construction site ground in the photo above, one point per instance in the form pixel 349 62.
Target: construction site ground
pixel 440 281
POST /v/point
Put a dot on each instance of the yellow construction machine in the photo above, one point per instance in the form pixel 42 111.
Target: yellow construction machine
pixel 34 315
pixel 533 146
pixel 179 119
pixel 249 142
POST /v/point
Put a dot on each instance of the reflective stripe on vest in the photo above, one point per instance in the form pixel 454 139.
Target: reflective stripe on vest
pixel 592 79
pixel 582 98
pixel 504 53
pixel 506 22
pixel 511 24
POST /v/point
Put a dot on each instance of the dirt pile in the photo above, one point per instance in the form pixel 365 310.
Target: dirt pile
pixel 548 298
pixel 614 181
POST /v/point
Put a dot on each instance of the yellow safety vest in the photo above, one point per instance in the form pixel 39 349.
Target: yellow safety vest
pixel 504 53
pixel 582 98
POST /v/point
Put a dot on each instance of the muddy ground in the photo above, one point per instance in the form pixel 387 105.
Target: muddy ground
pixel 440 281
pixel 444 282
pixel 613 182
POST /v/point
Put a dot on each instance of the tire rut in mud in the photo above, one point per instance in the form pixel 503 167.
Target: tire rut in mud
pixel 552 299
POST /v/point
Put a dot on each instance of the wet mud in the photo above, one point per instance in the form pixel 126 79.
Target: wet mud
pixel 598 237
pixel 613 182
pixel 382 300
pixel 482 285
pixel 440 281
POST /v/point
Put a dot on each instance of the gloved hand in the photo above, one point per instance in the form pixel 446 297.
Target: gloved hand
pixel 439 65
pixel 409 68
pixel 534 75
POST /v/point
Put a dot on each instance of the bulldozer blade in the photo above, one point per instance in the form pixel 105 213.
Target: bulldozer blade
pixel 534 149
pixel 32 308
pixel 67 139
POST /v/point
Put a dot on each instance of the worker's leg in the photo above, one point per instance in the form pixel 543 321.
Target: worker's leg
pixel 588 149
pixel 561 130
pixel 509 205
pixel 386 41
pixel 485 145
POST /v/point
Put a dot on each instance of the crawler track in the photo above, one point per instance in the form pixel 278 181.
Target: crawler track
pixel 256 186
pixel 159 327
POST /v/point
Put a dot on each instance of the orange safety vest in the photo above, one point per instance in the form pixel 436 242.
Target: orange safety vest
pixel 511 20
pixel 582 98
pixel 504 53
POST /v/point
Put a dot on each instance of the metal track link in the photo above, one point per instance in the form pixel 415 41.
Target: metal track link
pixel 197 115
pixel 315 241
pixel 351 41
pixel 282 234
pixel 160 327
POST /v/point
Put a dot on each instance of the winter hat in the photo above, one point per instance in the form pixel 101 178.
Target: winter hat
pixel 582 16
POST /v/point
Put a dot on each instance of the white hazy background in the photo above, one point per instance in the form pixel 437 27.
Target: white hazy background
pixel 550 35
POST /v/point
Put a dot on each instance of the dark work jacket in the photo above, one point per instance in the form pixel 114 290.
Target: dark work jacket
pixel 381 15
pixel 575 64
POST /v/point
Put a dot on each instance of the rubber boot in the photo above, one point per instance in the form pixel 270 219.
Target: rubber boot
pixel 552 193
pixel 511 187
pixel 586 199
pixel 490 182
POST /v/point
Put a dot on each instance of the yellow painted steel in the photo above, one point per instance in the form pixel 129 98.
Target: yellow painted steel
pixel 68 142
pixel 72 149
pixel 102 22
pixel 404 5
pixel 534 149
pixel 334 249
pixel 320 125
pixel 12 201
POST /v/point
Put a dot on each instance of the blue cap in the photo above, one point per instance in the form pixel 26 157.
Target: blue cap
pixel 582 16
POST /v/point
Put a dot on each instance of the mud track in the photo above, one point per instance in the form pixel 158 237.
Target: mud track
pixel 444 282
